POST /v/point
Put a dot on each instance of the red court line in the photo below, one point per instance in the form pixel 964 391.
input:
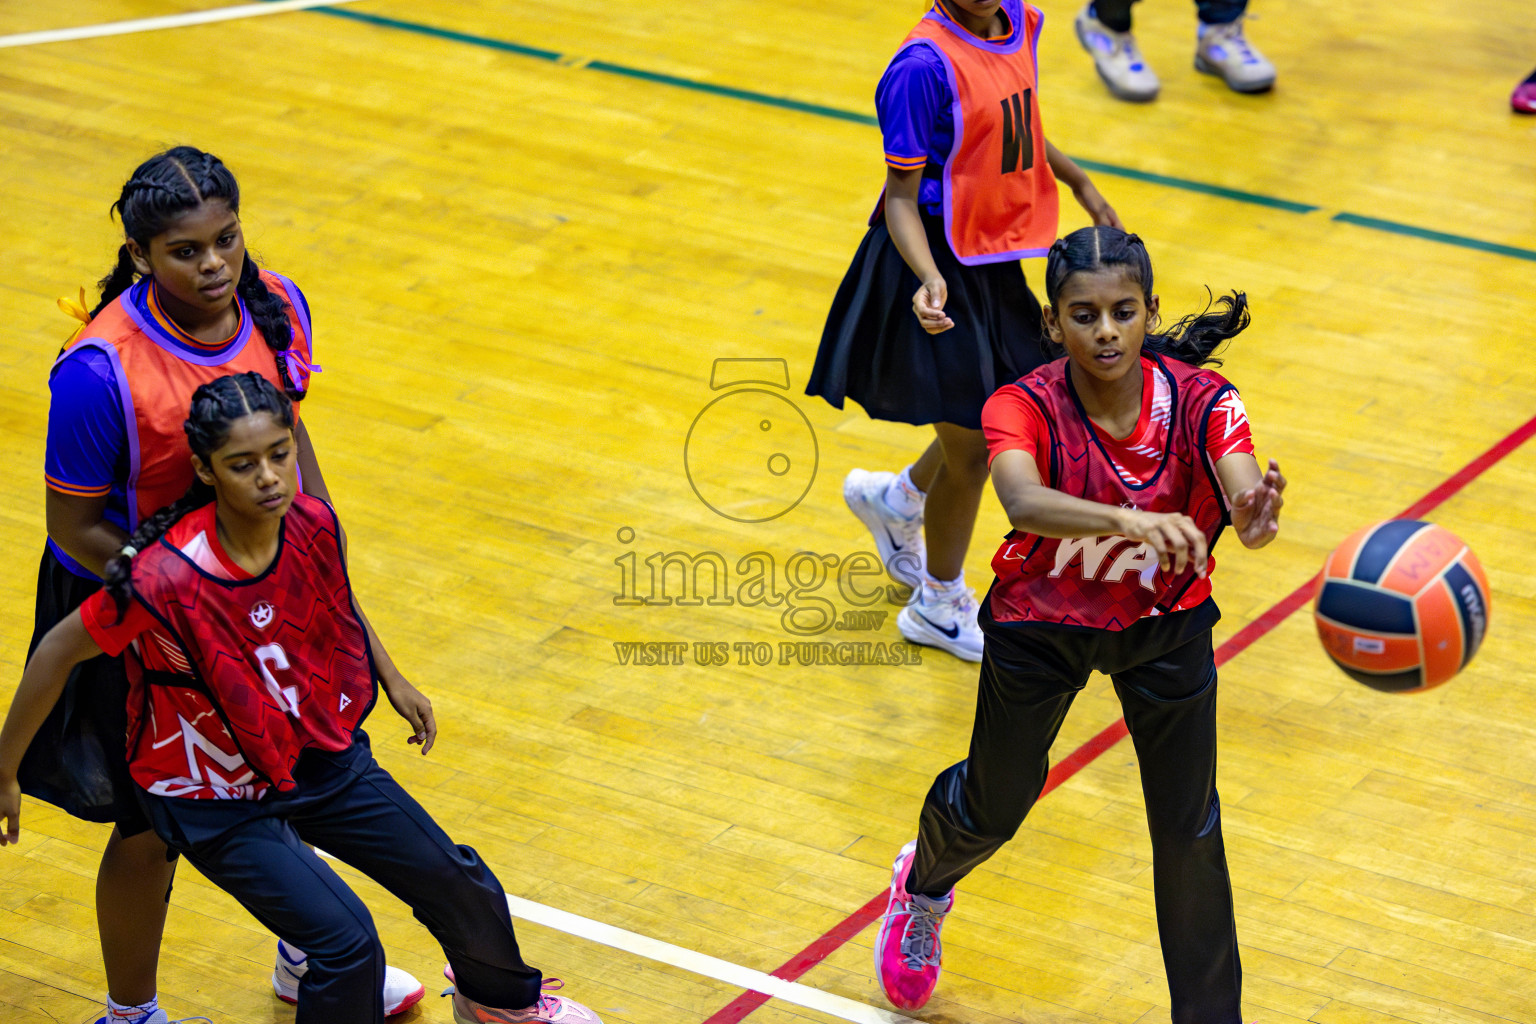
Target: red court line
pixel 1084 755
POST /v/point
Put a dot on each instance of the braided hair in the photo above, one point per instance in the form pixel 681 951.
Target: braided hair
pixel 215 408
pixel 1193 339
pixel 161 189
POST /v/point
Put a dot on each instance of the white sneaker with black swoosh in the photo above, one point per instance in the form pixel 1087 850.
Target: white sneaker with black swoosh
pixel 943 617
pixel 899 539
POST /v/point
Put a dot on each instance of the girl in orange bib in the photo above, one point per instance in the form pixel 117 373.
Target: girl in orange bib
pixel 933 315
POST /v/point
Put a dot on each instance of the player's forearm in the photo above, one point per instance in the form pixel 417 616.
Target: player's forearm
pixel 907 231
pixel 1046 512
pixel 1065 168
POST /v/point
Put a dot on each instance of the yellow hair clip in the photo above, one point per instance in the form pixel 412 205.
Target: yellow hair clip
pixel 79 311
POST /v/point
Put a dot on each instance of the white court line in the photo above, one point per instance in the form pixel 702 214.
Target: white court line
pixel 122 28
pixel 700 963
pixel 697 963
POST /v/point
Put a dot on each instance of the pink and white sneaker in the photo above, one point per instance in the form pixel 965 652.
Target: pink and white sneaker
pixel 1523 99
pixel 908 954
pixel 550 1009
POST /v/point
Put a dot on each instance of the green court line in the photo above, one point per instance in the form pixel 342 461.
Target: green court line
pixel 446 33
pixel 782 102
pixel 835 113
pixel 1187 185
pixel 1462 241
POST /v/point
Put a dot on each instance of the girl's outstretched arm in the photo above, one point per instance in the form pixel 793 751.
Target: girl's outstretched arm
pixel 1033 507
pixel 1255 498
pixel 65 646
pixel 1083 190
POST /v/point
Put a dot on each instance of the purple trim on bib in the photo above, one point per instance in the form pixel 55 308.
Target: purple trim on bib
pixel 296 301
pixel 130 422
pixel 300 365
pixel 158 335
pixel 1034 47
pixel 1015 38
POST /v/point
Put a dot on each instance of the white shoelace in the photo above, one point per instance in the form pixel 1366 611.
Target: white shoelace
pixel 920 940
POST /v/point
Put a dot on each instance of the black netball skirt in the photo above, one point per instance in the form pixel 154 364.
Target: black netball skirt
pixel 78 761
pixel 875 352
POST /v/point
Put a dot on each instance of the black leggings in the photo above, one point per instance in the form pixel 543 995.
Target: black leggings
pixel 1164 673
pixel 1117 13
pixel 350 807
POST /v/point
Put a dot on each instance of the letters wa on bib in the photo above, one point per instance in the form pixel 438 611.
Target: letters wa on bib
pixel 965 111
pixel 1191 417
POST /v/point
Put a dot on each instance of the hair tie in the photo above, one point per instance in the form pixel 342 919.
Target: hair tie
pixel 1136 239
pixel 78 311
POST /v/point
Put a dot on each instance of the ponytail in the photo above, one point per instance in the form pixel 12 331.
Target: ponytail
pixel 270 314
pixel 119 579
pixel 118 280
pixel 1195 339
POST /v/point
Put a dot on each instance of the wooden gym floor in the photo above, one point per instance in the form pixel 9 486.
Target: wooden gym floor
pixel 527 230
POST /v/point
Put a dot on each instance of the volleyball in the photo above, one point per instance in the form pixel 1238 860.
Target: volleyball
pixel 1402 606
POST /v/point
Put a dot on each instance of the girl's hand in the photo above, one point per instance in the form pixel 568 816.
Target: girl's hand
pixel 413 706
pixel 1098 209
pixel 1173 535
pixel 10 810
pixel 1256 511
pixel 928 304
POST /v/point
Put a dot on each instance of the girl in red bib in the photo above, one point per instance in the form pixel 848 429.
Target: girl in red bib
pixel 1119 466
pixel 934 313
pixel 257 669
pixel 183 305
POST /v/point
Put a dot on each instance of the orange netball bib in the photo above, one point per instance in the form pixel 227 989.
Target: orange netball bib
pixel 999 193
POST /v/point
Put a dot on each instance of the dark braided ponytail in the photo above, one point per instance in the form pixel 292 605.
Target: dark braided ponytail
pixel 1193 340
pixel 215 408
pixel 163 188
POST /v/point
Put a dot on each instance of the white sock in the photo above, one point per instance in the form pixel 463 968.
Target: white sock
pixel 944 586
pixel 129 1014
pixel 903 495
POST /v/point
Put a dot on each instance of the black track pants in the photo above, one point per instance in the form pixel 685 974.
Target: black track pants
pixel 1164 672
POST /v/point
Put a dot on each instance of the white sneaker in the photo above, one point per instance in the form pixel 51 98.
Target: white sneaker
pixel 1224 50
pixel 899 539
pixel 401 990
pixel 1116 58
pixel 944 620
